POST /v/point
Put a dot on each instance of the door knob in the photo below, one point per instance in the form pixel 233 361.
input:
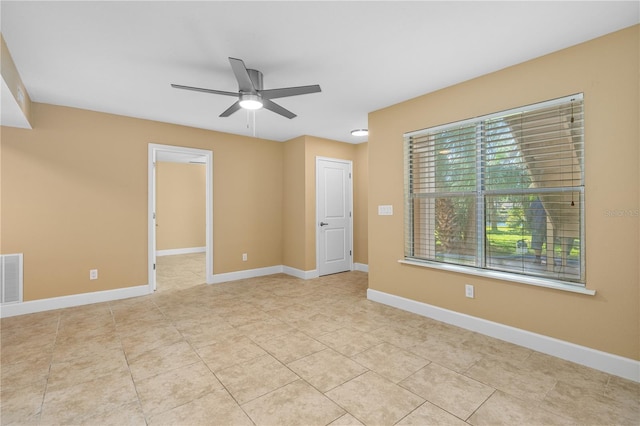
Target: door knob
pixel 323 223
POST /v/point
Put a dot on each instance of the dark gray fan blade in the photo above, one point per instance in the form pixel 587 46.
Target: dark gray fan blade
pixel 289 91
pixel 233 108
pixel 272 106
pixel 200 89
pixel 242 75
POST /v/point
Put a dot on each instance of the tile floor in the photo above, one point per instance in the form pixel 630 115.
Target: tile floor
pixel 179 271
pixel 277 350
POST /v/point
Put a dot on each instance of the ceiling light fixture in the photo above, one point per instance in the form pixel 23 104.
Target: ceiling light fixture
pixel 250 101
pixel 360 132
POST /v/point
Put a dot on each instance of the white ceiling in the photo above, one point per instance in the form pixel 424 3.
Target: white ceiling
pixel 120 57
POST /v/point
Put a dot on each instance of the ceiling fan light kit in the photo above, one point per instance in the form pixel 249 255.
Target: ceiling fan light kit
pixel 250 101
pixel 251 94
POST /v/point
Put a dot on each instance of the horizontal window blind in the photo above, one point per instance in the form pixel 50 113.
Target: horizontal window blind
pixel 502 192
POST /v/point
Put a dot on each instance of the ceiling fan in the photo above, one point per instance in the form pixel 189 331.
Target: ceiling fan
pixel 250 93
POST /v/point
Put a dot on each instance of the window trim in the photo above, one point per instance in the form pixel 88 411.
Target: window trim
pixel 461 123
pixel 479 270
pixel 511 277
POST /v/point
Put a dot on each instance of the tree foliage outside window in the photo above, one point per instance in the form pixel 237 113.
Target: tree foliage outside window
pixel 503 192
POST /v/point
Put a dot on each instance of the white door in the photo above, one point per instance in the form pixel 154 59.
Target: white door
pixel 333 198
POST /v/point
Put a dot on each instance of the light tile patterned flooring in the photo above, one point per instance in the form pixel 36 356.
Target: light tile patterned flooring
pixel 179 271
pixel 277 350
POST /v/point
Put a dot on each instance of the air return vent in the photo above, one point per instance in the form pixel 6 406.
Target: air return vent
pixel 11 278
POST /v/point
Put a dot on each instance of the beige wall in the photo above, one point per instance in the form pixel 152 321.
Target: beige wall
pixel 180 205
pixel 606 70
pixel 300 197
pixel 294 204
pixel 13 80
pixel 360 202
pixel 74 198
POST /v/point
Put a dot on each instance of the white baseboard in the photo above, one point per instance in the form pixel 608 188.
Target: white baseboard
pixel 362 267
pixel 30 307
pixel 248 273
pixel 603 361
pixel 41 305
pixel 52 303
pixel 251 273
pixel 188 250
pixel 299 273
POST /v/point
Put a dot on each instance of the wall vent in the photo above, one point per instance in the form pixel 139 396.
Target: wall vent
pixel 11 278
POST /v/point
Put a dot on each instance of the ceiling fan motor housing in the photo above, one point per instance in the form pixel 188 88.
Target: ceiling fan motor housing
pixel 256 78
pixel 252 99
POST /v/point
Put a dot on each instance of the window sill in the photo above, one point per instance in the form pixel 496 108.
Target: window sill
pixel 505 276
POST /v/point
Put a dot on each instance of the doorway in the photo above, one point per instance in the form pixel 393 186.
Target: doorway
pixel 175 154
pixel 334 217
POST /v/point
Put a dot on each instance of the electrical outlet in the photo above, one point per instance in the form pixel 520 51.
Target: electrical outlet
pixel 468 291
pixel 244 257
pixel 93 274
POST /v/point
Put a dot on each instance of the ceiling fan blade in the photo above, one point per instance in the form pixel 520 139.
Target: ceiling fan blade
pixel 200 89
pixel 272 106
pixel 289 91
pixel 233 108
pixel 242 75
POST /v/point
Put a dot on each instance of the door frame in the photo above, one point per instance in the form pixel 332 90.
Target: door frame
pixel 349 195
pixel 153 151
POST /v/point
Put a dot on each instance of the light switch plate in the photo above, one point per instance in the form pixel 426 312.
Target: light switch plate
pixel 385 210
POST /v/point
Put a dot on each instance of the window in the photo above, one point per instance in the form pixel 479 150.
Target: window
pixel 503 192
